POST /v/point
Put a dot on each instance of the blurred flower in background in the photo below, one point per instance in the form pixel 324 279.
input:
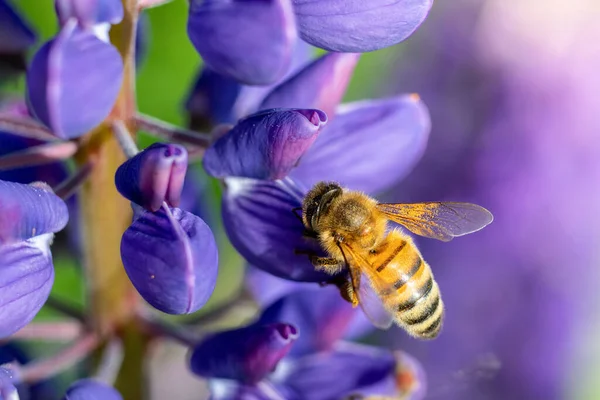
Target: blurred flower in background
pixel 513 93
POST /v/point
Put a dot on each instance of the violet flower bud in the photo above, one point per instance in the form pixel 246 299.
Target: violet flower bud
pixel 171 258
pixel 89 12
pixel 265 145
pixel 245 355
pixel 73 81
pixel 251 41
pixel 90 389
pixel 153 176
pixel 357 25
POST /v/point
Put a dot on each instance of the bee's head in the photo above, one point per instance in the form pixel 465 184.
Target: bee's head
pixel 317 202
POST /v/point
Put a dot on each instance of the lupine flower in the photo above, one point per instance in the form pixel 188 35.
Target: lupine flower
pixel 90 389
pixel 304 360
pixel 169 254
pixel 381 138
pixel 29 216
pixel 55 93
pixel 15 38
pixel 252 41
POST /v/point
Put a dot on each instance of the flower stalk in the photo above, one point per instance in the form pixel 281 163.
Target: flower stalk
pixel 105 215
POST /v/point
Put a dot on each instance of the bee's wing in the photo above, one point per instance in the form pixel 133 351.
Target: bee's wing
pixel 372 305
pixel 438 220
pixel 362 282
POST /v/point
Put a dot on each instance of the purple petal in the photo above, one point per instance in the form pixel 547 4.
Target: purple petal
pixel 350 369
pixel 212 99
pixel 260 223
pixel 29 210
pixel 153 176
pixel 251 96
pixel 266 288
pixel 319 85
pixel 15 35
pixel 320 314
pixel 265 145
pixel 90 389
pixel 171 259
pixel 89 12
pixel 251 41
pixel 357 25
pixel 55 91
pixel 246 355
pixel 8 391
pixel 26 278
pixel 370 145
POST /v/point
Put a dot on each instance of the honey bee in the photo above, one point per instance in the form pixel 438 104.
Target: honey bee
pixel 388 277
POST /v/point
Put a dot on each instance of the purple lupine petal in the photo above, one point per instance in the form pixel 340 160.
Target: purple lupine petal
pixel 321 314
pixel 15 35
pixel 73 81
pixel 251 41
pixel 91 389
pixel 246 355
pixel 370 145
pixel 8 391
pixel 212 99
pixel 89 12
pixel 267 288
pixel 349 369
pixel 265 145
pixel 29 210
pixel 260 223
pixel 319 85
pixel 171 259
pixel 251 96
pixel 26 278
pixel 153 176
pixel 357 25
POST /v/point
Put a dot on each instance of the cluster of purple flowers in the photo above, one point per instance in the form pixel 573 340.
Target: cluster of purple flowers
pixel 276 128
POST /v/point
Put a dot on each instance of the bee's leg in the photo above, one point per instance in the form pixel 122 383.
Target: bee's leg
pixel 347 292
pixel 326 264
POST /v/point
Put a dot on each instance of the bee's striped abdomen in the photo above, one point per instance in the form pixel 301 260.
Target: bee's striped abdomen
pixel 413 294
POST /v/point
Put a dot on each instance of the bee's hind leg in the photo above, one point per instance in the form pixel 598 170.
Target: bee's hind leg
pixel 347 292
